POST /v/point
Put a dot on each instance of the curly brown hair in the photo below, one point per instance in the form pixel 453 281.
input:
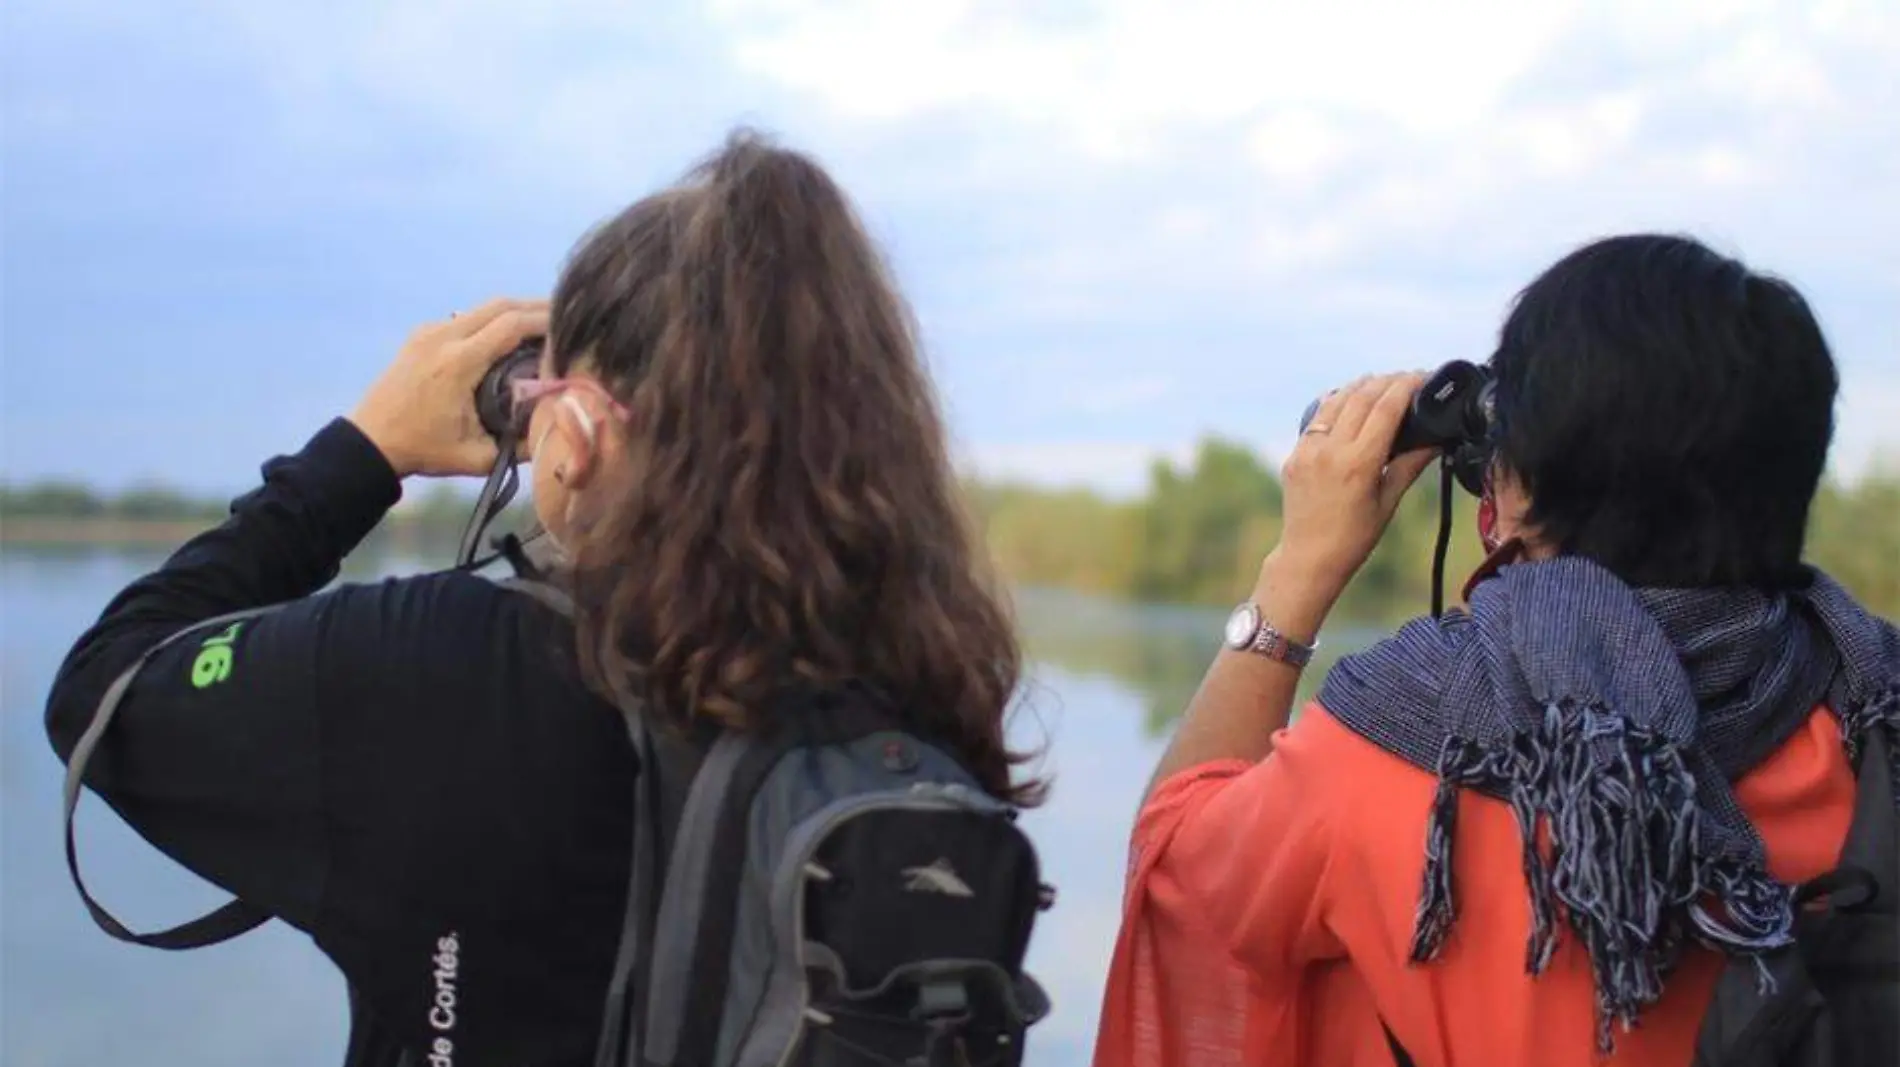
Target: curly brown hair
pixel 789 515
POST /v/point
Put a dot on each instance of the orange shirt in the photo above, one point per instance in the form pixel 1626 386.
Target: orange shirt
pixel 1270 907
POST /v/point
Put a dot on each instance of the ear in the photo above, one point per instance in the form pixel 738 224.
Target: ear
pixel 583 433
pixel 1514 505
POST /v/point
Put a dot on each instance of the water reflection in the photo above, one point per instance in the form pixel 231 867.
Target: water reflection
pixel 1158 652
pixel 72 995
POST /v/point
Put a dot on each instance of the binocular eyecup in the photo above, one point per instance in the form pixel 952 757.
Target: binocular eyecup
pixel 494 395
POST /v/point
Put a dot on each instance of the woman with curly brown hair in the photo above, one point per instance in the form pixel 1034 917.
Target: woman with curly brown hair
pixel 738 451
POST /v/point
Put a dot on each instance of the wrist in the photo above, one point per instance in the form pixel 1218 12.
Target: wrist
pixel 1317 571
pixel 1296 594
pixel 378 434
pixel 343 478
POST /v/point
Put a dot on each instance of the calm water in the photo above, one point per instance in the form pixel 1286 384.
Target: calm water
pixel 1105 682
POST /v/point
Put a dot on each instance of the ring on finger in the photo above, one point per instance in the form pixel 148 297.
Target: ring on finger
pixel 1319 428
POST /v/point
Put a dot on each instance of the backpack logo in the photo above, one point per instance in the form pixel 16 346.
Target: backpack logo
pixel 938 877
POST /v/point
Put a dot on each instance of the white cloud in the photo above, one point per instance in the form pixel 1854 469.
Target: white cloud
pixel 1329 187
pixel 1316 132
pixel 1121 78
pixel 1362 119
pixel 1297 146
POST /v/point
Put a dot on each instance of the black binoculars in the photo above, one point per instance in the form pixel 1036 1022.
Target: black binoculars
pixel 495 394
pixel 495 407
pixel 1454 411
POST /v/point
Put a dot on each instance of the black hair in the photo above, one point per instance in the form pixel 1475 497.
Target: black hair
pixel 1668 412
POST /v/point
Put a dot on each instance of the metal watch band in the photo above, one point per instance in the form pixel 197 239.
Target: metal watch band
pixel 1275 645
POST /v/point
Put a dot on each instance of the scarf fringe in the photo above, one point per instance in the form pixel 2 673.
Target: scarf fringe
pixel 1628 867
pixel 1879 711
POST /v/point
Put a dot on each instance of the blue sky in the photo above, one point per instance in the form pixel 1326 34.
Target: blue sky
pixel 1123 224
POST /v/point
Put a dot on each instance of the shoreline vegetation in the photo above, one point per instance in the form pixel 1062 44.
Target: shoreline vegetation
pixel 1195 537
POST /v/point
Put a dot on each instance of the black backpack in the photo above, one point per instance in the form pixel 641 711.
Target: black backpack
pixel 1835 1000
pixel 833 891
pixel 836 892
pixel 1835 995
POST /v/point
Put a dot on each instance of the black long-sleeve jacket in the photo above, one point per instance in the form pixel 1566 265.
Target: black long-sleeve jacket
pixel 409 771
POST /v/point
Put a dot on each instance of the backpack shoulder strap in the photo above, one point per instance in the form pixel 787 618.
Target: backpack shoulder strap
pixel 545 592
pixel 221 924
pixel 692 951
pixel 1873 837
pixel 621 1024
pixel 701 882
pixel 1400 1057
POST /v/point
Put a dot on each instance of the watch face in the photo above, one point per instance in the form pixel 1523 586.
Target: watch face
pixel 1241 626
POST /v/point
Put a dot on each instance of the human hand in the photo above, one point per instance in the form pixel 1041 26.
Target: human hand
pixel 1341 482
pixel 421 412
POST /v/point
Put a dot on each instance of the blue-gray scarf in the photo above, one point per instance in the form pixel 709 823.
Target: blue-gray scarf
pixel 1616 718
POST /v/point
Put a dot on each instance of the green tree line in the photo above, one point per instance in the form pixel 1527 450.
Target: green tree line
pixel 1198 533
pixel 73 501
pixel 427 526
pixel 444 503
pixel 1194 537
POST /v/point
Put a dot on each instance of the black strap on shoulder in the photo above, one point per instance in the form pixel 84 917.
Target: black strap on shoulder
pixel 1399 1055
pixel 690 962
pixel 222 924
pixel 694 1002
pixel 534 556
pixel 1872 834
pixel 621 1024
pixel 659 795
pixel 545 592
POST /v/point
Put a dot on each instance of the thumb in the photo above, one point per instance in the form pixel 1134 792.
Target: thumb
pixel 1401 474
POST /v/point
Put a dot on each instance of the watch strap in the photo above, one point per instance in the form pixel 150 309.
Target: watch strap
pixel 1274 645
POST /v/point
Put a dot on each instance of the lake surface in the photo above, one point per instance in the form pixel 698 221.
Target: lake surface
pixel 1105 683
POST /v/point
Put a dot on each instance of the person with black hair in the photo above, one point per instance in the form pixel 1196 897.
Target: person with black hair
pixel 1544 828
pixel 1665 412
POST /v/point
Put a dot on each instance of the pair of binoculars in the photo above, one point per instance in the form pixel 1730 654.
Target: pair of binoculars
pixel 1455 411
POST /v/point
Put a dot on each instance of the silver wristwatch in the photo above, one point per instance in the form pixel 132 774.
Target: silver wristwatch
pixel 1247 631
